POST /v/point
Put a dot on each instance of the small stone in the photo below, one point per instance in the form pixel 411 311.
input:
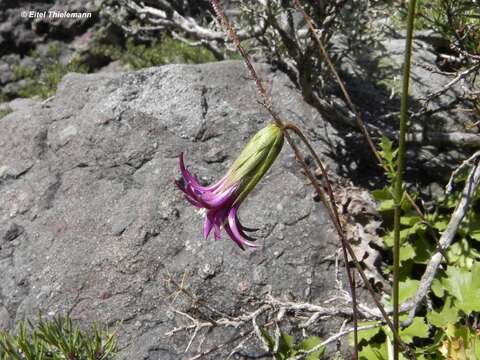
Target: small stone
pixel 215 155
pixel 68 132
pixel 13 232
pixel 243 286
pixel 3 171
pixel 259 275
pixel 208 271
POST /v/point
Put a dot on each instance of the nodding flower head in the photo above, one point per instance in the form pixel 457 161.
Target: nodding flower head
pixel 222 199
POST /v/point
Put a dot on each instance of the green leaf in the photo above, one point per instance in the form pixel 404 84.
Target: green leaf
pixel 54 340
pixel 374 351
pixel 388 154
pixel 441 224
pixel 418 328
pixel 310 343
pixel 268 338
pixel 471 226
pixel 367 334
pixel 407 252
pixel 464 285
pixel 386 205
pixel 423 250
pixel 285 346
pixel 438 288
pixel 447 315
pixel 462 254
pixel 382 194
pixel 408 288
pixel 410 220
pixel 405 235
pixel 287 340
pixel 475 234
pixel 388 239
pixel 384 198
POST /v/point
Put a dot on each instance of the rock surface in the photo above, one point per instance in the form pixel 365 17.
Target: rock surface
pixel 92 225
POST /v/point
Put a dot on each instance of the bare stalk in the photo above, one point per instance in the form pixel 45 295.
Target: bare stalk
pixel 398 190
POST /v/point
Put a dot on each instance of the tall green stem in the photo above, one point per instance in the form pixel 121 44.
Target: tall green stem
pixel 400 169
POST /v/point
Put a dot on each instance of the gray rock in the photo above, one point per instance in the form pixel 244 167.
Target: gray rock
pixel 6 74
pixel 4 318
pixel 19 104
pixel 104 225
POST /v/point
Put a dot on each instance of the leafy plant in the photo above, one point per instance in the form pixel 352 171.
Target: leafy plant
pixel 57 339
pixel 288 349
pixel 165 51
pixel 446 328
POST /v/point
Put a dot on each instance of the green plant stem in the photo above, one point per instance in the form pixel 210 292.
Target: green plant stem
pixel 398 191
pixel 331 206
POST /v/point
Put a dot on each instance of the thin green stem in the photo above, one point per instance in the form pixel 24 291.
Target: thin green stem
pixel 398 191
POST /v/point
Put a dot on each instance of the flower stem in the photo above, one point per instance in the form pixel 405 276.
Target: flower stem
pixel 332 208
pixel 398 190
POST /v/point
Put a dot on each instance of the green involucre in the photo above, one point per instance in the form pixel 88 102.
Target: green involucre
pixel 255 159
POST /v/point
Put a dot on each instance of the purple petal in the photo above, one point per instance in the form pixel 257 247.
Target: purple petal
pixel 209 199
pixel 191 197
pixel 216 232
pixel 207 227
pixel 192 180
pixel 215 219
pixel 189 178
pixel 193 202
pixel 233 237
pixel 244 228
pixel 232 223
pixel 240 230
pixel 212 187
pixel 219 200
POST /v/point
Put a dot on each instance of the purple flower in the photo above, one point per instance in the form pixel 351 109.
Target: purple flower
pixel 222 200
